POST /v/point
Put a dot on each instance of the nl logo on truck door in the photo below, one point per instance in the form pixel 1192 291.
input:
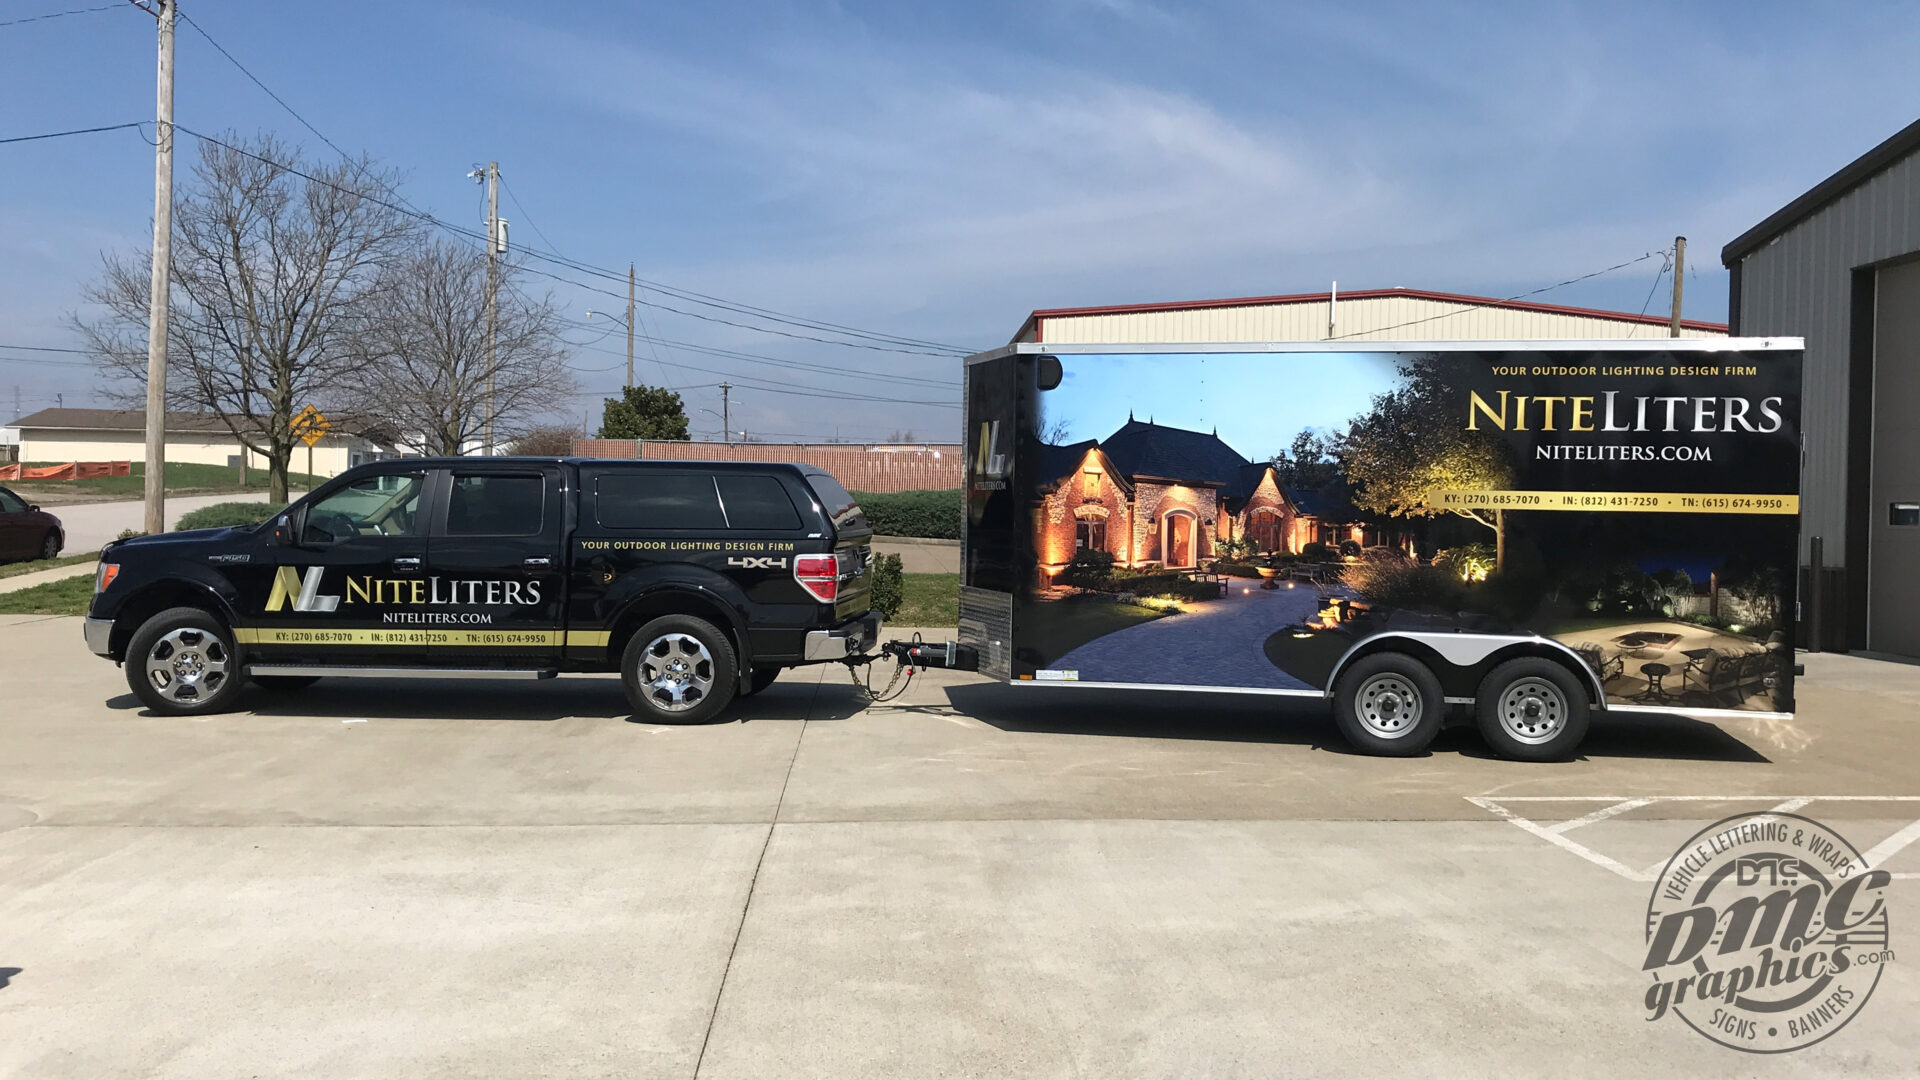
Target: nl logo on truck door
pixel 303 593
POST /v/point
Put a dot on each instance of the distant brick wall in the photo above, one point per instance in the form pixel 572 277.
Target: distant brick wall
pixel 934 466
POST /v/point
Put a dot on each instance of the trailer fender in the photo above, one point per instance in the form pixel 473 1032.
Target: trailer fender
pixel 1464 651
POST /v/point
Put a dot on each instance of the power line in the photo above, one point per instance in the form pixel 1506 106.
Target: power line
pixel 75 131
pixel 264 88
pixel 46 348
pixel 755 358
pixel 1507 300
pixel 547 256
pixel 60 14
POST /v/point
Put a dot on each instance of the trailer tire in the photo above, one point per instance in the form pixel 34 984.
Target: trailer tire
pixel 1389 705
pixel 679 670
pixel 1532 709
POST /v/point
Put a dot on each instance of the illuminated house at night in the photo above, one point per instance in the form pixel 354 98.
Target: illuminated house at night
pixel 1155 494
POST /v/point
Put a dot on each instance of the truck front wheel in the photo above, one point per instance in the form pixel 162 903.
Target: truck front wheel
pixel 1389 704
pixel 182 662
pixel 679 670
pixel 1532 709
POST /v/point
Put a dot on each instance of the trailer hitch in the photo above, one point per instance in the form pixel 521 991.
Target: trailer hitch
pixel 910 658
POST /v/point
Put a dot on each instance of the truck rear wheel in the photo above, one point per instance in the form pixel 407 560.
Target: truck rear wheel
pixel 1532 709
pixel 182 662
pixel 1389 704
pixel 679 670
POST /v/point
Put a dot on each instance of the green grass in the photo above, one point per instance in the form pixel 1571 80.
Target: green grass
pixel 931 600
pixel 68 596
pixel 181 478
pixel 8 570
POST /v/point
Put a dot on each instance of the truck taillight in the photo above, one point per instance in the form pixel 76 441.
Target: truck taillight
pixel 819 575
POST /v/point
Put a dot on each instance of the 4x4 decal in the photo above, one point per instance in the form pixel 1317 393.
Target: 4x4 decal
pixel 756 562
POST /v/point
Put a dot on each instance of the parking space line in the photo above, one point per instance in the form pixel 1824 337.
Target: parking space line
pixel 1554 838
pixel 1619 804
pixel 1601 814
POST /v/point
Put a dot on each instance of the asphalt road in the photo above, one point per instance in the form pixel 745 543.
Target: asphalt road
pixel 413 879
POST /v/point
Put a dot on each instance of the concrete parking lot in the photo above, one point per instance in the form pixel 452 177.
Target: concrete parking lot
pixel 420 879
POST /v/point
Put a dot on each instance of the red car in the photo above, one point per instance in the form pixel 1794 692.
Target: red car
pixel 26 531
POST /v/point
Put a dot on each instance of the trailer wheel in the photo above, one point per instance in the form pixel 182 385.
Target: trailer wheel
pixel 1532 709
pixel 1389 705
pixel 678 670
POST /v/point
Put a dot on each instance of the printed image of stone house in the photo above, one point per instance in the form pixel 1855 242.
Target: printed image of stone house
pixel 1155 495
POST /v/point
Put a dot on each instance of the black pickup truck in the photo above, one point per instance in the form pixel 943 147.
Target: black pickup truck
pixel 696 581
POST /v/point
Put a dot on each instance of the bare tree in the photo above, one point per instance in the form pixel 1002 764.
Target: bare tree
pixel 271 272
pixel 426 374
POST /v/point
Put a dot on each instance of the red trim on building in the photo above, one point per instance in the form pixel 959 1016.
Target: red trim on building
pixel 1039 315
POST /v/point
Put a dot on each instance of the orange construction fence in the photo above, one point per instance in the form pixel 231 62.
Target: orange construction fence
pixel 72 470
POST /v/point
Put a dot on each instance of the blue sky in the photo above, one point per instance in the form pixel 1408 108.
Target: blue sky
pixel 1256 403
pixel 939 169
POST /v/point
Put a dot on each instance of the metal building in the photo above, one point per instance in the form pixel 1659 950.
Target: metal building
pixel 1368 315
pixel 1840 266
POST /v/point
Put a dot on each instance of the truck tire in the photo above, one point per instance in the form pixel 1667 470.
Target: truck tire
pixel 679 670
pixel 1532 709
pixel 762 678
pixel 182 662
pixel 1389 705
pixel 283 684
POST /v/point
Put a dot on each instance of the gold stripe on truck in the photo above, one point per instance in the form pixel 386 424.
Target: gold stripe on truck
pixel 300 635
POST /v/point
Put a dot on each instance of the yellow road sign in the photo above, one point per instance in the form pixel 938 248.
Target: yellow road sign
pixel 311 425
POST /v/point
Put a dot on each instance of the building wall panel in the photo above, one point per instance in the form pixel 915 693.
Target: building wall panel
pixel 1800 285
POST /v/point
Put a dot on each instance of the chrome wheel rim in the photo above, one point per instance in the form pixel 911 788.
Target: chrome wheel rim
pixel 677 671
pixel 1388 705
pixel 1532 710
pixel 189 665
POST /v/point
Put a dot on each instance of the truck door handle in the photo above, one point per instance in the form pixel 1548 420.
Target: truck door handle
pixel 408 562
pixel 536 560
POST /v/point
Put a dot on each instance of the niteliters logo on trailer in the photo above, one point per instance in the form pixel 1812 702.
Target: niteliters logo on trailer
pixel 1766 933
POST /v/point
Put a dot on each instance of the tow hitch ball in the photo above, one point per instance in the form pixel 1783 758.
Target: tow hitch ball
pixel 932 654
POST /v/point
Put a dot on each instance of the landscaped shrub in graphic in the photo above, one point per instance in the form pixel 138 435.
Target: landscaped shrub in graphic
pixel 1090 569
pixel 1405 583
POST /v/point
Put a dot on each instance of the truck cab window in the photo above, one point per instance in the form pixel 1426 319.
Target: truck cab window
pixel 485 505
pixel 371 506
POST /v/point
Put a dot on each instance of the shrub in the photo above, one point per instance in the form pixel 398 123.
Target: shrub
pixel 1404 583
pixel 229 515
pixel 1166 584
pixel 928 514
pixel 1090 569
pixel 1468 562
pixel 1316 552
pixel 546 442
pixel 1236 569
pixel 889 586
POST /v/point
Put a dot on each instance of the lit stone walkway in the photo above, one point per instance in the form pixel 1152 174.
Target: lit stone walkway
pixel 1215 643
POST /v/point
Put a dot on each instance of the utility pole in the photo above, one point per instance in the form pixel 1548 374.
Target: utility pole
pixel 629 326
pixel 495 241
pixel 726 423
pixel 1679 275
pixel 157 295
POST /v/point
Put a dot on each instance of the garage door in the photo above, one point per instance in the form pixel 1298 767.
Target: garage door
pixel 1893 605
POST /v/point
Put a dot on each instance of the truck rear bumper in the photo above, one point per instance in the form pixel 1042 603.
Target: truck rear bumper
pixel 848 639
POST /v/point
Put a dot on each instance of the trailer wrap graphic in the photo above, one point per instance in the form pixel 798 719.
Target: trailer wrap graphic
pixel 1243 519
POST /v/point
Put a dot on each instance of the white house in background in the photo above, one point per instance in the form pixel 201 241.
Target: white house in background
pixel 54 436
